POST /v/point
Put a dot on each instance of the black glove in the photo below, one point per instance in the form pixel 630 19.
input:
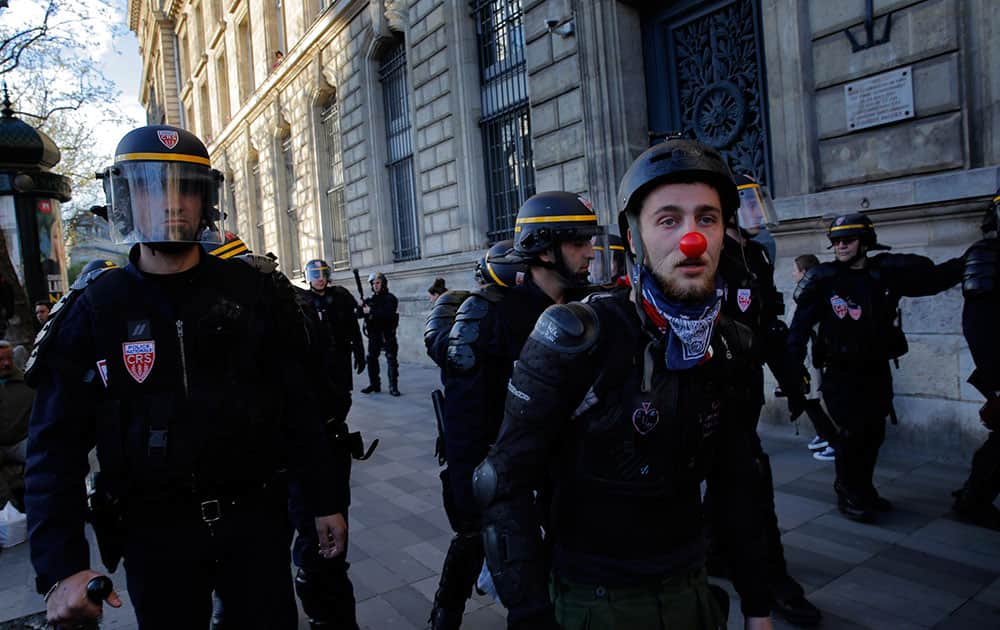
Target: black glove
pixel 989 414
pixel 797 382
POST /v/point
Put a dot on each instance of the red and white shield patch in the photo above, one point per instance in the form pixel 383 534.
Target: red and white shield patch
pixel 167 138
pixel 743 299
pixel 839 306
pixel 139 357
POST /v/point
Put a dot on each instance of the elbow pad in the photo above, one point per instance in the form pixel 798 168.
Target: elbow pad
pixel 980 266
pixel 441 319
pixel 810 283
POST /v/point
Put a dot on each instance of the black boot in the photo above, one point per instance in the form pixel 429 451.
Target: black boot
pixel 372 389
pixel 461 568
pixel 393 375
pixel 790 602
pixel 970 510
pixel 852 507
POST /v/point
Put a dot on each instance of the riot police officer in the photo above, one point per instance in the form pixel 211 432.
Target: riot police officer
pixel 553 232
pixel 855 301
pixel 618 403
pixel 166 364
pixel 322 584
pixel 981 312
pixel 751 298
pixel 381 313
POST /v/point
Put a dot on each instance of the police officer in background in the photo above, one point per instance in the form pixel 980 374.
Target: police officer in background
pixel 553 232
pixel 752 299
pixel 855 301
pixel 980 315
pixel 381 313
pixel 619 402
pixel 168 365
pixel 322 584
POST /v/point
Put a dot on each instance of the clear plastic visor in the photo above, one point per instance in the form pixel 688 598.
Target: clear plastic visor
pixel 317 273
pixel 602 267
pixel 756 210
pixel 160 202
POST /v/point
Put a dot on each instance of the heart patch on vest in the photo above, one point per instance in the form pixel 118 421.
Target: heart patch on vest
pixel 139 357
pixel 645 418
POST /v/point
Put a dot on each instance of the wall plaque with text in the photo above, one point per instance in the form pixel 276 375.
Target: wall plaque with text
pixel 879 100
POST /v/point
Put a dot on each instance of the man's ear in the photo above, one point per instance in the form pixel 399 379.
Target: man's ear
pixel 548 256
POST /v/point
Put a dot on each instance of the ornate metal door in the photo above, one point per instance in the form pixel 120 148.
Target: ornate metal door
pixel 705 78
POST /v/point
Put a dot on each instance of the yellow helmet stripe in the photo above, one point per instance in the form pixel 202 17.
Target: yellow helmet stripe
pixel 745 186
pixel 996 199
pixel 163 157
pixel 618 248
pixel 489 268
pixel 566 218
pixel 850 226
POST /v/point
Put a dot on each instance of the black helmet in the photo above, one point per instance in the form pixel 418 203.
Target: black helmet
pixel 855 225
pixel 155 168
pixel 381 276
pixel 991 222
pixel 317 269
pixel 232 246
pixel 550 218
pixel 501 266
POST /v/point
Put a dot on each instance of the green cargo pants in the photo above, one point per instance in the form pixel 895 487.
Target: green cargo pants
pixel 679 602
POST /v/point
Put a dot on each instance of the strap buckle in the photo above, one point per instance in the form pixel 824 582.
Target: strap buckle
pixel 211 511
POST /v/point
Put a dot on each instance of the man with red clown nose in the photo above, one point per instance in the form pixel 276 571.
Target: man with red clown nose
pixel 616 406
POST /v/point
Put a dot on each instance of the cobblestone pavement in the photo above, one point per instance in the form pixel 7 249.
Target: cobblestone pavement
pixel 918 568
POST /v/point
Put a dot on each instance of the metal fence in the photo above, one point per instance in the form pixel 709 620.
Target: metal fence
pixel 340 252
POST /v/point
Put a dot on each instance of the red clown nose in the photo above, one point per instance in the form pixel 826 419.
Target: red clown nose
pixel 693 244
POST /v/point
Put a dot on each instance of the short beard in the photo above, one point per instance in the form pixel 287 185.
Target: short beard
pixel 688 294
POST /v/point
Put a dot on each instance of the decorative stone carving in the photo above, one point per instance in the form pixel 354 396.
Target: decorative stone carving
pixel 397 14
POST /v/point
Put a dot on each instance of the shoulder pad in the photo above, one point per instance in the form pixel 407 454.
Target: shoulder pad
pixel 47 333
pixel 490 292
pixel 569 328
pixel 261 263
pixel 442 316
pixel 901 262
pixel 813 278
pixel 84 279
pixel 738 338
pixel 465 332
pixel 981 264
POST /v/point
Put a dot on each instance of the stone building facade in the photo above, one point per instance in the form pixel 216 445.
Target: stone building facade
pixel 401 135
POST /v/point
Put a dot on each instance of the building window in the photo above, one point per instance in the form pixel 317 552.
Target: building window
pixel 505 125
pixel 257 205
pixel 276 32
pixel 392 74
pixel 198 38
pixel 244 58
pixel 206 113
pixel 330 120
pixel 184 53
pixel 294 262
pixel 232 219
pixel 222 85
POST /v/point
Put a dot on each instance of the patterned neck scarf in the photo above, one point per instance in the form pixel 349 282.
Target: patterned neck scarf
pixel 688 326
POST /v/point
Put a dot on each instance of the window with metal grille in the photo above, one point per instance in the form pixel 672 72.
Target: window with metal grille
pixel 506 128
pixel 257 210
pixel 330 119
pixel 293 261
pixel 231 220
pixel 392 75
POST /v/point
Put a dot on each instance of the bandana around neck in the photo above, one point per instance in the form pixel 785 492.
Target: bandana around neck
pixel 688 326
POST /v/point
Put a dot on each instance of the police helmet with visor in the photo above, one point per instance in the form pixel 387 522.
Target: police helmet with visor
pixel 756 211
pixel 162 189
pixel 317 269
pixel 854 226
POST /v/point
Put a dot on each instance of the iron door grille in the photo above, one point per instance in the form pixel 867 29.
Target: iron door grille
pixel 258 210
pixel 291 211
pixel 330 118
pixel 505 124
pixel 392 75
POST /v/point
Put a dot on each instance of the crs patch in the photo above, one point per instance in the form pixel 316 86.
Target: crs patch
pixel 139 357
pixel 839 306
pixel 743 299
pixel 168 138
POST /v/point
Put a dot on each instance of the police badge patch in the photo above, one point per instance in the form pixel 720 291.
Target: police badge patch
pixel 168 138
pixel 839 306
pixel 743 299
pixel 139 357
pixel 854 311
pixel 645 418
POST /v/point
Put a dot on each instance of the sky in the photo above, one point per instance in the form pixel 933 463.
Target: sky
pixel 121 63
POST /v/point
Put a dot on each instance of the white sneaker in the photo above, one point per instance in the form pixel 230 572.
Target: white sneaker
pixel 826 455
pixel 818 444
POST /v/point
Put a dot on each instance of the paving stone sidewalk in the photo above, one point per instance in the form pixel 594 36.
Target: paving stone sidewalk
pixel 917 568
